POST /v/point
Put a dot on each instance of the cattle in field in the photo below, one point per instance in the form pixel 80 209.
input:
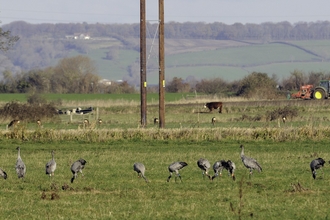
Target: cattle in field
pixel 214 105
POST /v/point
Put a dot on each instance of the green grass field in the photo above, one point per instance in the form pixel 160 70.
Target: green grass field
pixel 151 97
pixel 110 188
pixel 201 59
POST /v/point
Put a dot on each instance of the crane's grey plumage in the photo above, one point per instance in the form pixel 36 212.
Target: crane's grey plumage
pixel 222 164
pixel 3 173
pixel 175 167
pixel 76 167
pixel 316 164
pixel 249 163
pixel 51 166
pixel 140 169
pixel 20 166
pixel 204 165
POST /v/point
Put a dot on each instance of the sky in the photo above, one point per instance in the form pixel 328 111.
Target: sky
pixel 128 11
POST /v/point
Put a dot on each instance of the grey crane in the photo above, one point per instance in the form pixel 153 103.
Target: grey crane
pixel 140 169
pixel 316 164
pixel 175 167
pixel 76 167
pixel 51 166
pixel 3 173
pixel 249 163
pixel 204 165
pixel 20 166
pixel 222 164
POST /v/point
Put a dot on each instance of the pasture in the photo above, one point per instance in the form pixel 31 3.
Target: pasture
pixel 207 59
pixel 110 188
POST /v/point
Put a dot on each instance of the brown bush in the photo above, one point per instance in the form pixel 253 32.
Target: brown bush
pixel 287 112
pixel 28 112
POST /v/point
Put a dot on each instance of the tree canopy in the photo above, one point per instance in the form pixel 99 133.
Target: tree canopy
pixel 7 40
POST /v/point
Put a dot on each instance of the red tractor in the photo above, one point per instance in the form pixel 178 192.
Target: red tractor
pixel 305 92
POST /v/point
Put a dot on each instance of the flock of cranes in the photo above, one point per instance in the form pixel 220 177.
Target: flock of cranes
pixel 203 164
pixel 20 167
pixel 219 166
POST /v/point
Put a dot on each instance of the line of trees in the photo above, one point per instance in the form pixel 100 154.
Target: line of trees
pixel 76 75
pixel 187 30
pixel 70 75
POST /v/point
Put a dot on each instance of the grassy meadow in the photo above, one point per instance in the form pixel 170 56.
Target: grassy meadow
pixel 207 59
pixel 110 188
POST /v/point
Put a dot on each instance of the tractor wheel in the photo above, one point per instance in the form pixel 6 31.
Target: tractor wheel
pixel 319 94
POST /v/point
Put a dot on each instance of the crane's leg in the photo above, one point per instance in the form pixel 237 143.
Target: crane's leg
pixel 208 175
pixel 250 174
pixel 73 177
pixel 169 177
pixel 313 173
pixel 179 177
pixel 215 175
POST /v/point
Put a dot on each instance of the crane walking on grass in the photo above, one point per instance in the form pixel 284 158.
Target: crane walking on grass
pixel 175 167
pixel 140 169
pixel 316 164
pixel 222 164
pixel 51 166
pixel 250 163
pixel 76 167
pixel 20 166
pixel 204 165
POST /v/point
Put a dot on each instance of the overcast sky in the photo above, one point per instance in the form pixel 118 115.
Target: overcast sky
pixel 128 11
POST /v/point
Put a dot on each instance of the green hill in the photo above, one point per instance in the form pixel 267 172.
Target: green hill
pixel 230 60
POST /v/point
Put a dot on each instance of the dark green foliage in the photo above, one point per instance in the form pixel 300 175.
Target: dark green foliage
pixel 257 85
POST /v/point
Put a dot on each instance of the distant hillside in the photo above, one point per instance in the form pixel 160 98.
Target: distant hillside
pixel 193 51
pixel 230 60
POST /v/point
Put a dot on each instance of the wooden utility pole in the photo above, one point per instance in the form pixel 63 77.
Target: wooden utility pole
pixel 143 63
pixel 161 66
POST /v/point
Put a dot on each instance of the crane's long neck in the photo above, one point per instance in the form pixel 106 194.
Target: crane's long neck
pixel 19 154
pixel 242 152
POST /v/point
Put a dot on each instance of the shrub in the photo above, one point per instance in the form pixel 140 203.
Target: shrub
pixel 287 112
pixel 28 112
